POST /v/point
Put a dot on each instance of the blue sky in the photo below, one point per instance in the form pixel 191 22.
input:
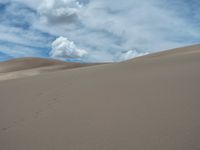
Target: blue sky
pixel 96 30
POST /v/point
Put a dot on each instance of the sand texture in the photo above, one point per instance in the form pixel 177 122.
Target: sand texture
pixel 147 103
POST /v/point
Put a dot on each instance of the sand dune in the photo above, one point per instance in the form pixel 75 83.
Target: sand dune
pixel 148 103
pixel 23 67
pixel 26 63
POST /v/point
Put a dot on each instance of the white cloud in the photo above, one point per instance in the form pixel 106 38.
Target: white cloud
pixel 65 49
pixel 126 55
pixel 59 11
pixel 142 24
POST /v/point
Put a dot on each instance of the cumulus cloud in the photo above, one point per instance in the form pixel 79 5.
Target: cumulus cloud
pixel 59 11
pixel 65 49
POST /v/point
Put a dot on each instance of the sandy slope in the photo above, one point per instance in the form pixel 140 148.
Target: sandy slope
pixel 23 67
pixel 148 103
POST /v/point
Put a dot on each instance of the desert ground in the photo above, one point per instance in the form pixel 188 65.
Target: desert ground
pixel 147 103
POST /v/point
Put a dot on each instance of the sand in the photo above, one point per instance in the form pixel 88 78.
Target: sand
pixel 25 67
pixel 148 103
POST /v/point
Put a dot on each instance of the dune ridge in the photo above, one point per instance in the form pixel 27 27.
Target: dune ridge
pixel 24 67
pixel 147 103
pixel 26 63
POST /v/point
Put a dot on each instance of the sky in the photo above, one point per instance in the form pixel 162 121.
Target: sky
pixel 96 30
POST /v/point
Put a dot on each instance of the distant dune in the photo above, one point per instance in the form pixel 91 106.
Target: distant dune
pixel 147 103
pixel 22 67
pixel 27 63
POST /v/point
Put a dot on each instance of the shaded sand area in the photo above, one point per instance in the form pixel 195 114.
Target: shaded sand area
pixel 148 103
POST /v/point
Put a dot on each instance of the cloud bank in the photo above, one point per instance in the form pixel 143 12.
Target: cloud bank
pixel 103 30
